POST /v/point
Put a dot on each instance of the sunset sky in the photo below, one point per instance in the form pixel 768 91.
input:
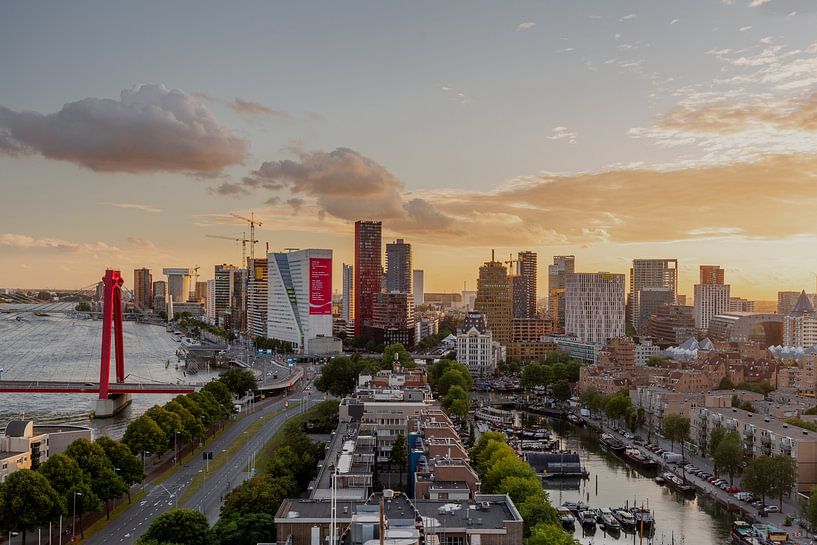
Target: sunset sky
pixel 608 129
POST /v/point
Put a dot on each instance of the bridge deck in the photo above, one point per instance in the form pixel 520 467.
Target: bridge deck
pixel 70 387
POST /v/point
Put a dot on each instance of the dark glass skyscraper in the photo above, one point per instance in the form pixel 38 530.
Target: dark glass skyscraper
pixel 368 271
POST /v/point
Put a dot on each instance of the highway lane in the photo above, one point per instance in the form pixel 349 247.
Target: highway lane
pixel 165 496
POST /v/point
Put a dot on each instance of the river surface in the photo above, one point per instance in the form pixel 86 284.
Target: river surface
pixel 613 483
pixel 58 347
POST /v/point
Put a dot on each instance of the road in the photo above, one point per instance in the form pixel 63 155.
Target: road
pixel 164 497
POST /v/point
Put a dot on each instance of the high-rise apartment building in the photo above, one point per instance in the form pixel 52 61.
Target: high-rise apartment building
pixel 347 309
pixel 520 293
pixel 650 273
pixel 223 294
pixel 257 298
pixel 159 296
pixel 711 295
pixel 526 267
pixel 800 324
pixel 398 266
pixel 594 306
pixel 238 300
pixel 299 307
pixel 494 299
pixel 142 288
pixel 563 265
pixel 418 286
pixel 393 318
pixel 738 304
pixel 178 283
pixel 368 271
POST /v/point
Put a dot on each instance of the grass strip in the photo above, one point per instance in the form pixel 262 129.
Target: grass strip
pixel 222 457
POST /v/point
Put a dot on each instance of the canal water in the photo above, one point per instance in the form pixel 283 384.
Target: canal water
pixel 58 347
pixel 614 483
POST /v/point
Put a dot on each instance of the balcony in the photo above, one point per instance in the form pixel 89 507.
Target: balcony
pixel 748 432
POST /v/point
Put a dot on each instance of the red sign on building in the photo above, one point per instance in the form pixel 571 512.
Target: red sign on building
pixel 320 285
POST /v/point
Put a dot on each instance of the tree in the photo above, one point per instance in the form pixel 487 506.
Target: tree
pixel 536 511
pixel 616 406
pixel 68 480
pixel 108 486
pixel 84 306
pixel 549 534
pixel 655 361
pixel 339 376
pixel 243 529
pixel 397 352
pixel 810 508
pixel 726 384
pixel 398 455
pixel 483 442
pixel 758 477
pixel 239 381
pixel 561 390
pixel 784 472
pixel 180 526
pixel 89 457
pixel 676 429
pixel 494 451
pixel 728 455
pixel 506 467
pixel 536 374
pixel 169 422
pixel 193 426
pixel 127 466
pixel 261 494
pixel 144 434
pixel 221 393
pixel 715 438
pixel 520 488
pixel 27 501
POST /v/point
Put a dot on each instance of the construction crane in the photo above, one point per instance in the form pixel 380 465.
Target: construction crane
pixel 192 295
pixel 243 240
pixel 252 223
pixel 510 264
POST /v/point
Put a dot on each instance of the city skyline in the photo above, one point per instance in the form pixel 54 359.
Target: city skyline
pixel 609 131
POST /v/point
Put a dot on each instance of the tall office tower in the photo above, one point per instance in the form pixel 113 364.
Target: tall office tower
pixel 368 271
pixel 299 307
pixel 494 299
pixel 526 267
pixel 210 302
pixel 650 301
pixel 393 318
pixel 595 306
pixel 178 283
pixel 520 293
pixel 223 294
pixel 159 295
pixel 398 266
pixel 200 293
pixel 711 274
pixel 347 309
pixel 142 288
pixel 418 286
pixel 650 273
pixel 257 298
pixel 563 265
pixel 711 296
pixel 238 300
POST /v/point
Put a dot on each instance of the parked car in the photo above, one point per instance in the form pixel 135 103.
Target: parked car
pixel 772 509
pixel 733 490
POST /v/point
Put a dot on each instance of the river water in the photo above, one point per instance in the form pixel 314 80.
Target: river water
pixel 57 347
pixel 613 482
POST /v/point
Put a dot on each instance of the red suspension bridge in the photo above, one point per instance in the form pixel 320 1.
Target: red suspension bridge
pixel 113 396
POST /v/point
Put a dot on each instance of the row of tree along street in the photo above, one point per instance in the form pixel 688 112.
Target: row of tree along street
pixel 89 474
pixel 248 512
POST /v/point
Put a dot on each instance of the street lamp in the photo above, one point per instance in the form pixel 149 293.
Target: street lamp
pixel 74 519
pixel 176 447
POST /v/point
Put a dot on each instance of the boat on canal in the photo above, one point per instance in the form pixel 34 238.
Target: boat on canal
pixel 575 507
pixel 679 485
pixel 638 458
pixel 611 443
pixel 644 519
pixel 625 518
pixel 605 519
pixel 587 519
pixel 566 517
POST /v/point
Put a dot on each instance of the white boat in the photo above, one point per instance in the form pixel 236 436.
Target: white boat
pixel 494 415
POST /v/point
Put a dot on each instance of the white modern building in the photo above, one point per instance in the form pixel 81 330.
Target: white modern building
pixel 800 325
pixel 476 348
pixel 299 307
pixel 710 300
pixel 223 293
pixel 178 283
pixel 418 287
pixel 347 306
pixel 595 307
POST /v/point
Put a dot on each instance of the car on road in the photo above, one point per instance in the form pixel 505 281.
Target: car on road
pixel 772 509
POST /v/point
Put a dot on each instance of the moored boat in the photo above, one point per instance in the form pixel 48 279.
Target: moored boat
pixel 566 517
pixel 676 483
pixel 587 519
pixel 644 520
pixel 605 519
pixel 635 456
pixel 625 518
pixel 611 443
